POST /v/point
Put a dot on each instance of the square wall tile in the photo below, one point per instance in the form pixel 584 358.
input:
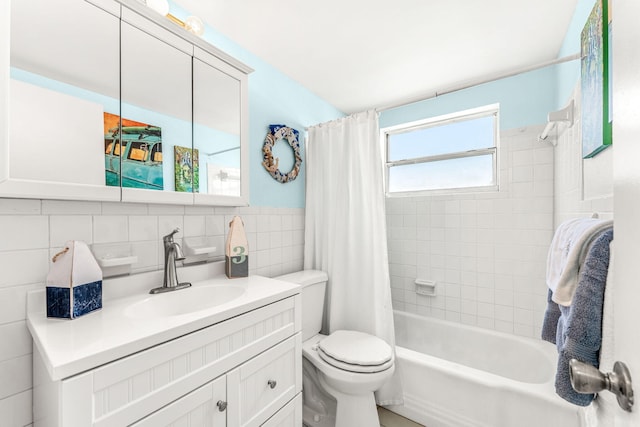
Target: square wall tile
pixel 110 228
pixel 70 227
pixel 15 376
pixel 143 227
pixel 23 267
pixel 18 335
pixel 20 207
pixel 24 232
pixel 13 302
pixel 194 226
pixel 16 410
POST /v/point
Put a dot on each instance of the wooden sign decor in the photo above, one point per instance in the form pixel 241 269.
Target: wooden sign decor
pixel 236 250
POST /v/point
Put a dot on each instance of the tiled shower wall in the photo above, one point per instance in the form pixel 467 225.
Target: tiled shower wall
pixel 485 251
pixel 32 230
pixel 583 187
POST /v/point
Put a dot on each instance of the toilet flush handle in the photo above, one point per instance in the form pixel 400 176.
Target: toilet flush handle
pixel 272 384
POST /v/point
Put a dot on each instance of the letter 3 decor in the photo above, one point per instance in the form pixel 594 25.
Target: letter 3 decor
pixel 277 132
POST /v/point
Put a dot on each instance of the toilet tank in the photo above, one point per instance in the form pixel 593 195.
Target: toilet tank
pixel 313 283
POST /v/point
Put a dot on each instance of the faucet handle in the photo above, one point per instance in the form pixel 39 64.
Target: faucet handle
pixel 169 237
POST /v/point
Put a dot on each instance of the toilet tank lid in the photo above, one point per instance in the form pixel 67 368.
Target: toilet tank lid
pixel 305 277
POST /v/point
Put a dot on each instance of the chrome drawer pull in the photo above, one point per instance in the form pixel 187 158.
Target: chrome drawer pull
pixel 272 383
pixel 222 405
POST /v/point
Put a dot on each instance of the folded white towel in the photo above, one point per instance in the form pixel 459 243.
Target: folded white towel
pixel 566 254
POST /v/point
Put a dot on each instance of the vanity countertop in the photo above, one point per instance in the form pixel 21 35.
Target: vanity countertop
pixel 69 347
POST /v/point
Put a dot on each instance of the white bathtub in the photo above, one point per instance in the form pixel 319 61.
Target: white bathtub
pixel 460 376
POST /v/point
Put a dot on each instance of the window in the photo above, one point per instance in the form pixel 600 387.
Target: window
pixel 448 153
pixel 138 151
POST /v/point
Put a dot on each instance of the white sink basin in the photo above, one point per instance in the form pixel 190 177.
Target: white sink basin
pixel 184 301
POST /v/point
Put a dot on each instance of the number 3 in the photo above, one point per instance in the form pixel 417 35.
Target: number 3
pixel 239 251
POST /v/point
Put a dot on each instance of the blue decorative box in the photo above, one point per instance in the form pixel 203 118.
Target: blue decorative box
pixel 74 282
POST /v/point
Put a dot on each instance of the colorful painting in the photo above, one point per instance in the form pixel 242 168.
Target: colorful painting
pixel 133 159
pixel 187 169
pixel 595 84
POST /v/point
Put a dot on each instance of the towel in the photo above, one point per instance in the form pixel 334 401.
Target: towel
pixel 550 322
pixel 567 253
pixel 580 325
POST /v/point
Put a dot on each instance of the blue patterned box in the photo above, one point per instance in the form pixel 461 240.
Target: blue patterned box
pixel 74 282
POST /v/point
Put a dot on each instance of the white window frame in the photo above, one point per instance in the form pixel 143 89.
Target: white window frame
pixel 485 111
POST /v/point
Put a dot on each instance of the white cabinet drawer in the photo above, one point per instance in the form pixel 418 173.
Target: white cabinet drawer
pixel 265 383
pixel 289 416
pixel 197 409
pixel 128 389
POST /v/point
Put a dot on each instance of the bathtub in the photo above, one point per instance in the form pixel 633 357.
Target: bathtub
pixel 455 375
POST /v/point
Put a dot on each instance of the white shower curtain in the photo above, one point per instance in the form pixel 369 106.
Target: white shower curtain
pixel 345 230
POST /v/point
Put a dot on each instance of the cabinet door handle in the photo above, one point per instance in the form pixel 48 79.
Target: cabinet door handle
pixel 272 383
pixel 222 405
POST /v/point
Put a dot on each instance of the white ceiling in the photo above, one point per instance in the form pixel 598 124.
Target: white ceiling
pixel 361 54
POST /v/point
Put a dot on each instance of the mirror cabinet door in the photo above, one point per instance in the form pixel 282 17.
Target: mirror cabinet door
pixel 155 148
pixel 217 128
pixel 64 78
pixel 107 104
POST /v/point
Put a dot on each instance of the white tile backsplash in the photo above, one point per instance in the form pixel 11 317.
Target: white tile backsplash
pixel 15 375
pixel 20 267
pixel 23 232
pixel 19 206
pixel 13 302
pixel 110 228
pixel 17 334
pixel 195 225
pixel 143 227
pixel 70 227
pixel 17 410
pixel 33 230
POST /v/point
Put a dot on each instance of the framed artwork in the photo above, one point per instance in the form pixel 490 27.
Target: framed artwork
pixel 186 169
pixel 133 153
pixel 595 81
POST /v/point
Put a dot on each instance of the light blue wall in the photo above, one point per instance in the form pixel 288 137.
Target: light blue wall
pixel 524 100
pixel 274 98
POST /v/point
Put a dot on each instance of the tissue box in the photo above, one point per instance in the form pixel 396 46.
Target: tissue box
pixel 74 282
pixel 236 250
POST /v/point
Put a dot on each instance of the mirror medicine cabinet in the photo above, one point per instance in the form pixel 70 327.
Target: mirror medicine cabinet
pixel 111 101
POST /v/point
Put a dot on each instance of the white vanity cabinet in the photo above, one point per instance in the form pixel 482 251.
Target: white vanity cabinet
pixel 244 371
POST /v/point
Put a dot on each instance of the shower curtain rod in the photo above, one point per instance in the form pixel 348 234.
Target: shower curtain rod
pixel 472 83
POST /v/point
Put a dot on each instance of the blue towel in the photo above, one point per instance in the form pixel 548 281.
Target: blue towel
pixel 580 325
pixel 550 323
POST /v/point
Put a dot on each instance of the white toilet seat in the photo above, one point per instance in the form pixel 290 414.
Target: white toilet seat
pixel 359 369
pixel 355 351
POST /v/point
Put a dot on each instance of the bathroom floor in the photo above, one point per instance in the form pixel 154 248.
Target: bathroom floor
pixel 390 419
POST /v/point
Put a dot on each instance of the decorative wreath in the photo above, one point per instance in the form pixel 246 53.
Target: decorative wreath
pixel 276 133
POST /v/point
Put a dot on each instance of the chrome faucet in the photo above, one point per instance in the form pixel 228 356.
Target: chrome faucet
pixel 172 253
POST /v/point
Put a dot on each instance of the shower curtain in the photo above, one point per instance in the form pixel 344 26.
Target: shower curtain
pixel 345 230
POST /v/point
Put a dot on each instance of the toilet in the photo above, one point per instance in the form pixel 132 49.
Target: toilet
pixel 342 370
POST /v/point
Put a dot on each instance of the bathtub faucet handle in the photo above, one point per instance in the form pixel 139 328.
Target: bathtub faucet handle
pixel 587 379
